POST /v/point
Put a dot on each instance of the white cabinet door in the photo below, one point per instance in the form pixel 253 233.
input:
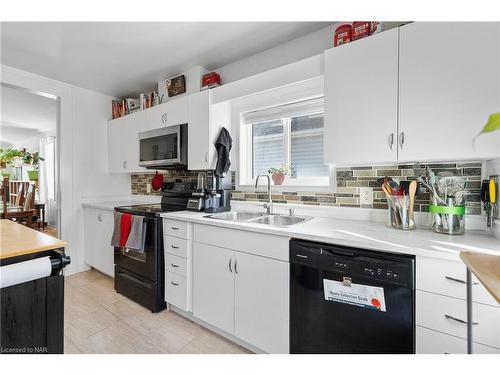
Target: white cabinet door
pixel 123 143
pixel 172 112
pixel 449 85
pixel 199 130
pixel 213 286
pixel 98 228
pixel 361 94
pixel 262 302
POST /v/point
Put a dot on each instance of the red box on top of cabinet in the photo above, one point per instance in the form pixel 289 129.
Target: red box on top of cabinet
pixel 360 29
pixel 342 35
pixel 210 80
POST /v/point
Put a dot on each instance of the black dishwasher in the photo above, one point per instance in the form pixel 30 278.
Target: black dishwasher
pixel 347 300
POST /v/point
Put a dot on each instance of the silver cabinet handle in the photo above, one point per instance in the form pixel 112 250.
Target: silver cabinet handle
pixel 125 164
pixel 236 267
pixel 230 265
pixel 458 280
pixel 458 320
pixel 401 139
pixel 206 157
pixel 175 228
pixel 164 118
pixel 174 247
pixel 174 283
pixel 391 141
pixel 99 217
pixel 174 265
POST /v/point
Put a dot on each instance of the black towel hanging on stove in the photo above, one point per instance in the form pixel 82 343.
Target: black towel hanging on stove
pixel 223 146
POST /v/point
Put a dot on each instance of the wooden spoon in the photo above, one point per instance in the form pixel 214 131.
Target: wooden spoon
pixel 411 192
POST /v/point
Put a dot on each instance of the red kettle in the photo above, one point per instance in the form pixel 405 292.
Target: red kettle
pixel 157 181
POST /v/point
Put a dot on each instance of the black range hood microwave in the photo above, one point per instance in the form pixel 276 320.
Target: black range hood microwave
pixel 163 148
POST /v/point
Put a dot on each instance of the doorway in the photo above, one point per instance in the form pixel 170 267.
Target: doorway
pixel 29 137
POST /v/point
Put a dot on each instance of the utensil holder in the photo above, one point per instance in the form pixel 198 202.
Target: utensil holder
pixel 399 215
pixel 449 219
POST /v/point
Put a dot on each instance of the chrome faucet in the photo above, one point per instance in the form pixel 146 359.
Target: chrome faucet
pixel 269 204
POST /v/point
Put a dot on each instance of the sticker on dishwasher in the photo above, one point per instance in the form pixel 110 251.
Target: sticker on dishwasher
pixel 370 297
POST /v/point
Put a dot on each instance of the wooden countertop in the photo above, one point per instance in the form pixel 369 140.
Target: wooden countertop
pixel 486 268
pixel 17 239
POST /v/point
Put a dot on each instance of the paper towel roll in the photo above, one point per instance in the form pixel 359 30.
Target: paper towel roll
pixel 22 272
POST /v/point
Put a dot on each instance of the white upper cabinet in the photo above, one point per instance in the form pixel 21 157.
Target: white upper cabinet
pixel 449 85
pixel 361 95
pixel 123 143
pixel 172 112
pixel 204 123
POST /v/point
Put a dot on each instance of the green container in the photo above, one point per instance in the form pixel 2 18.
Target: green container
pixel 33 175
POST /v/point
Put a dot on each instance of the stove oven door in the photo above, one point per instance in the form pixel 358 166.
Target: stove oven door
pixel 142 264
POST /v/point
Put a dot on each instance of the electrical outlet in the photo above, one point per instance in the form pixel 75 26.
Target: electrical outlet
pixel 148 188
pixel 365 196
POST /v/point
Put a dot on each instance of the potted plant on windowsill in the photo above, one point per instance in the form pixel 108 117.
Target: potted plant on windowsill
pixel 278 174
pixel 8 156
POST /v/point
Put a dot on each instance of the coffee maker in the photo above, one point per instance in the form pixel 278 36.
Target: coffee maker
pixel 197 200
pixel 218 197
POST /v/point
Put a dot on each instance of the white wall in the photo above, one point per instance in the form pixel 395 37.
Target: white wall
pixel 82 142
pixel 306 46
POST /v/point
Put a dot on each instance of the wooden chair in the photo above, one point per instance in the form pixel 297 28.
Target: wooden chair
pixel 3 191
pixel 20 196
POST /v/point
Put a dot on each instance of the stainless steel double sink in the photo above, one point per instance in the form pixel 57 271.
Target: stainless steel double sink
pixel 259 218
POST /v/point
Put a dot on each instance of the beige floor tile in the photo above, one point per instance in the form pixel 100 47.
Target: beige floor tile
pixel 89 324
pixel 83 278
pixel 119 338
pixel 70 347
pixel 125 308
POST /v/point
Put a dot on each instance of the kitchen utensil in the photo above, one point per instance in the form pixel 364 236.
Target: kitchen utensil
pixel 493 198
pixel 394 186
pixel 399 215
pixel 411 192
pixel 485 198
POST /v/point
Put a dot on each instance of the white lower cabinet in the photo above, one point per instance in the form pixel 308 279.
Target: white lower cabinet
pixel 213 286
pixel 98 229
pixel 261 302
pixel 244 295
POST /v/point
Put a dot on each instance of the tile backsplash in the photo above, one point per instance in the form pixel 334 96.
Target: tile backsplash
pixel 348 181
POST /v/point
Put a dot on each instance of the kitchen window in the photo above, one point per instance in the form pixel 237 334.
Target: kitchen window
pixel 287 135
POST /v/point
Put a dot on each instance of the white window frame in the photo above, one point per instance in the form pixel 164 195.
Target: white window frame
pixel 246 178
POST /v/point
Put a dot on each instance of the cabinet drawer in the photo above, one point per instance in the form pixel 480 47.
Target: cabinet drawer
pixel 177 291
pixel 436 312
pixel 448 278
pixel 267 245
pixel 177 265
pixel 177 246
pixel 175 228
pixel 432 342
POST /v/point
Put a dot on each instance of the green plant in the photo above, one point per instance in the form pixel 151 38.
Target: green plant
pixel 31 158
pixel 9 154
pixel 491 125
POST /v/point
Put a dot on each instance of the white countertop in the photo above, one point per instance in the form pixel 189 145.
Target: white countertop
pixel 110 206
pixel 363 234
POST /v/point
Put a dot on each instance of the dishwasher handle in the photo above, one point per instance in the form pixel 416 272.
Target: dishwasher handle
pixel 341 252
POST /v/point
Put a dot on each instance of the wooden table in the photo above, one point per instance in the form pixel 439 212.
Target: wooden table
pixel 17 239
pixel 487 269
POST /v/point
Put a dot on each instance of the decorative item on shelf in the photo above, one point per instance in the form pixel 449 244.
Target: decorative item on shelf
pixel 278 174
pixel 210 80
pixel 360 29
pixel 176 85
pixel 342 35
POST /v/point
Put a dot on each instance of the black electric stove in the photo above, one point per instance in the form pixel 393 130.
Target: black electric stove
pixel 140 276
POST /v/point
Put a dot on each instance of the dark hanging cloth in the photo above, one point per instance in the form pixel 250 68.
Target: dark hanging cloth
pixel 223 145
